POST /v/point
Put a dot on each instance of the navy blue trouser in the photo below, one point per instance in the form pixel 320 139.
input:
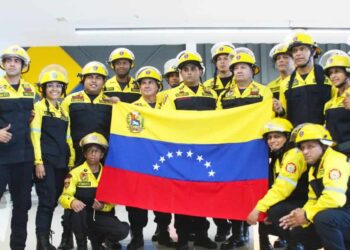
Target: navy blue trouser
pixel 19 178
pixel 98 227
pixel 185 225
pixel 278 211
pixel 329 230
pixel 48 189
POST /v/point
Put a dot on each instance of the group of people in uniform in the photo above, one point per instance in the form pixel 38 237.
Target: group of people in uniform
pixel 61 146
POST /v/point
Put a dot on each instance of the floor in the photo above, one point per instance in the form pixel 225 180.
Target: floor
pixel 5 216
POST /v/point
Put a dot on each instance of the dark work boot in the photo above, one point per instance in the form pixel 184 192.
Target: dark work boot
pixel 136 240
pixel 222 232
pixel 228 244
pixel 165 239
pixel 155 235
pixel 67 240
pixel 43 242
pixel 265 243
pixel 206 242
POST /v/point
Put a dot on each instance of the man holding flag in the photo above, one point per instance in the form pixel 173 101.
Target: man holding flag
pixel 186 172
pixel 191 95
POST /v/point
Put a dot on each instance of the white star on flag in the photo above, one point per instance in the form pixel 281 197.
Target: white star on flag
pixel 211 173
pixel 207 164
pixel 162 159
pixel 195 158
pixel 199 158
pixel 178 153
pixel 189 153
pixel 156 166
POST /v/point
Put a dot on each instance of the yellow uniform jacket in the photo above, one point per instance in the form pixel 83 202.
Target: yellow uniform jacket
pixel 129 94
pixel 232 97
pixel 142 103
pixel 290 180
pixel 183 98
pixel 275 87
pixel 82 184
pixel 86 116
pixel 328 184
pixel 219 86
pixel 338 119
pixel 16 107
pixel 50 133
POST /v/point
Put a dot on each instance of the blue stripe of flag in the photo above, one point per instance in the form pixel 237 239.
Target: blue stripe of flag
pixel 190 162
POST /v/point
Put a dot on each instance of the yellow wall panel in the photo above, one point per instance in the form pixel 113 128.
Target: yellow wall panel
pixel 43 56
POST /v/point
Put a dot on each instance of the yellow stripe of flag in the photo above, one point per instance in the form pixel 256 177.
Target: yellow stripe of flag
pixel 235 125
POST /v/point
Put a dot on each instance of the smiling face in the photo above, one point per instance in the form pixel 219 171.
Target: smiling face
pixel 148 87
pixel 276 140
pixel 93 83
pixel 337 75
pixel 53 90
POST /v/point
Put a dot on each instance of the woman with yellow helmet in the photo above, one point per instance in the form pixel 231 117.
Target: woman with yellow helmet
pixel 53 148
pixel 221 54
pixel 150 80
pixel 287 182
pixel 324 220
pixel 91 218
pixel 336 65
pixel 16 150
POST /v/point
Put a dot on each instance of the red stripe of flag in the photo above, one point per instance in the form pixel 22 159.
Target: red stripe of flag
pixel 229 200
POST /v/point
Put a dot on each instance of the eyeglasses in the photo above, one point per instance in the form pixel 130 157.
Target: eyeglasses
pixel 54 85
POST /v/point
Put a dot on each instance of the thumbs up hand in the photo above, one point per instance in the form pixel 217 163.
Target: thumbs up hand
pixel 5 135
pixel 346 101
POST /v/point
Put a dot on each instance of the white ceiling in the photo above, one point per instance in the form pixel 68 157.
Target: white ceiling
pixel 136 22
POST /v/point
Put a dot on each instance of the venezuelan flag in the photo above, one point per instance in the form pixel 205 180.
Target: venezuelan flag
pixel 203 163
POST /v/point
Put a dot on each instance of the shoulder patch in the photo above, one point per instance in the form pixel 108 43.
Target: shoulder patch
pixel 334 174
pixel 291 168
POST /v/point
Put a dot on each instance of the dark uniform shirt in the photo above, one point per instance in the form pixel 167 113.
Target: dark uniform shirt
pixel 86 117
pixel 16 107
pixel 128 93
pixel 183 98
pixel 50 133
